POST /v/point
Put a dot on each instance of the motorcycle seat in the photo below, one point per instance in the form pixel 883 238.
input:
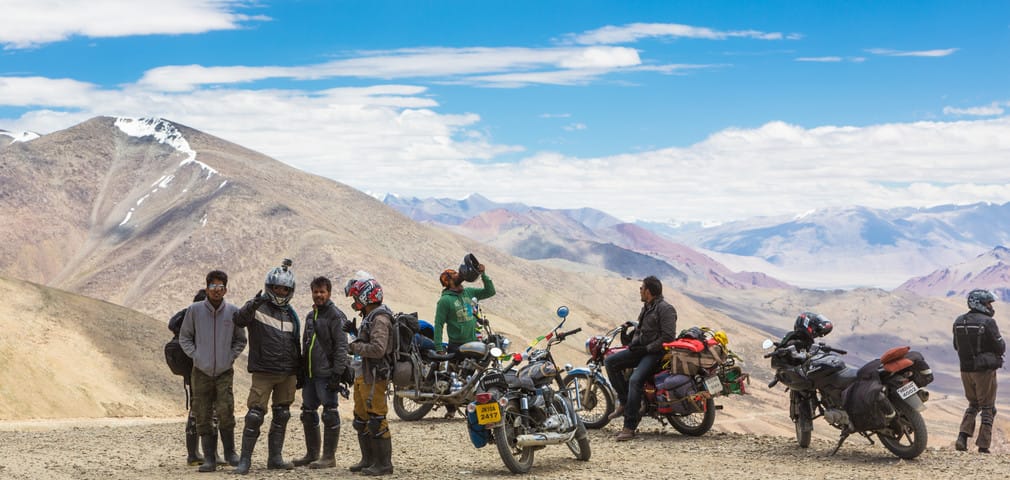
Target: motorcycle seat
pixel 438 357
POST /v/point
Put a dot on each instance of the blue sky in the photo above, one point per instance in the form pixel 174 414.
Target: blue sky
pixel 664 110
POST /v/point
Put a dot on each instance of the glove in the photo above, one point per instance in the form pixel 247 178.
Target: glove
pixel 260 299
pixel 351 327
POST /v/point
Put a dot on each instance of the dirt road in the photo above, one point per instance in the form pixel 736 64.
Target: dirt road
pixel 437 448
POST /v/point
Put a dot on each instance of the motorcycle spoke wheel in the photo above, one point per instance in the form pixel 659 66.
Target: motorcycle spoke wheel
pixel 410 410
pixel 597 401
pixel 695 424
pixel 908 439
pixel 804 422
pixel 515 458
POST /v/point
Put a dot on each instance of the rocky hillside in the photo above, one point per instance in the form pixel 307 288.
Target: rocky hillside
pixel 990 270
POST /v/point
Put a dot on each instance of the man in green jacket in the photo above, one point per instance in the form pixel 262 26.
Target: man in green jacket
pixel 455 312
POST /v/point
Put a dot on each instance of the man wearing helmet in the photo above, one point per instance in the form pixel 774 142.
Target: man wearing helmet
pixel 374 345
pixel 657 324
pixel 274 361
pixel 454 312
pixel 980 349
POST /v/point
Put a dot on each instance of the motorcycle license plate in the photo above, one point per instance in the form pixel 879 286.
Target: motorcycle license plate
pixel 488 413
pixel 907 390
pixel 713 385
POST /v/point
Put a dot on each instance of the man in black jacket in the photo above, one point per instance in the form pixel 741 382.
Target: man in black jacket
pixel 324 361
pixel 980 349
pixel 274 361
pixel 657 324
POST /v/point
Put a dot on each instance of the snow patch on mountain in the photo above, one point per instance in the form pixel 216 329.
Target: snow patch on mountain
pixel 20 136
pixel 164 132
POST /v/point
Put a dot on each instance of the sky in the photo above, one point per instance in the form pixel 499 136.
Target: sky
pixel 670 111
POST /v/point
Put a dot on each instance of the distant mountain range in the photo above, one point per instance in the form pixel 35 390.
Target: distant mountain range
pixel 989 270
pixel 828 248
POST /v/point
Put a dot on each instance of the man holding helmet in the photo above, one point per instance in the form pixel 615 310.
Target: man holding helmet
pixel 274 361
pixel 980 349
pixel 374 344
pixel 454 311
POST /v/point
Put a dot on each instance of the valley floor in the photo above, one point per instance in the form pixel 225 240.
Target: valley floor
pixel 437 448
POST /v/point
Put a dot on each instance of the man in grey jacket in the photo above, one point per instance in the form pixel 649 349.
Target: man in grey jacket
pixel 209 336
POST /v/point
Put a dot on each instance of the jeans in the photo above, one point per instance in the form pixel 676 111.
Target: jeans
pixel 314 394
pixel 629 390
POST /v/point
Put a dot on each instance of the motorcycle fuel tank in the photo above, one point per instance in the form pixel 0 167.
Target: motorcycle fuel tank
pixel 474 350
pixel 822 367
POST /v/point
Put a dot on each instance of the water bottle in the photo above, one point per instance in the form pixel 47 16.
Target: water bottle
pixel 456 384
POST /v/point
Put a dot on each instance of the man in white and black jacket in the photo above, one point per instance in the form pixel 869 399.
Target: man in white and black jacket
pixel 980 349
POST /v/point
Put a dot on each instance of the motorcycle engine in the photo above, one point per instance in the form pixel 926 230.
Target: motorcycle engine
pixel 558 422
pixel 836 417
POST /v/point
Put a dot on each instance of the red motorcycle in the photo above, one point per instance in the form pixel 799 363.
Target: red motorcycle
pixel 680 392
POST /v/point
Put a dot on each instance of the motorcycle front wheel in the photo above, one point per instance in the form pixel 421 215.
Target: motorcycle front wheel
pixel 695 424
pixel 804 419
pixel 596 399
pixel 908 439
pixel 410 410
pixel 517 459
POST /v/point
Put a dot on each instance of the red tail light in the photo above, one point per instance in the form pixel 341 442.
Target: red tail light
pixel 483 397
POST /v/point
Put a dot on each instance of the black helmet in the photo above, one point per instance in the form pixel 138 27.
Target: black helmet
pixel 981 301
pixel 813 324
pixel 468 269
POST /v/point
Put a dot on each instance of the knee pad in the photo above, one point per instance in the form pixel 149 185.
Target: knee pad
pixel 282 413
pixel 331 418
pixel 359 426
pixel 375 424
pixel 309 417
pixel 191 426
pixel 253 421
pixel 988 414
pixel 971 410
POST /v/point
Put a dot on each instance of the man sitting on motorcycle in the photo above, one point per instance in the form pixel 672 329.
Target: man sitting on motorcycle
pixel 657 324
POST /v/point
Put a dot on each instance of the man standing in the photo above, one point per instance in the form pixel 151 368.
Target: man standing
pixel 657 324
pixel 454 312
pixel 980 349
pixel 209 336
pixel 374 344
pixel 274 361
pixel 324 359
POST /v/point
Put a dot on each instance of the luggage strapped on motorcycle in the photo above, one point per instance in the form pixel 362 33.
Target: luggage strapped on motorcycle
pixel 699 350
pixel 401 359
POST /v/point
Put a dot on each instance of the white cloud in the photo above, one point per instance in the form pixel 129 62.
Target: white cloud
pixel 555 115
pixel 916 53
pixel 635 31
pixel 819 59
pixel 991 110
pixel 574 127
pixel 25 24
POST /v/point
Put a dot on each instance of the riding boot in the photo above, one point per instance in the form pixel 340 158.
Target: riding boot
pixel 310 423
pixel 193 457
pixel 383 451
pixel 367 455
pixel 250 434
pixel 331 435
pixel 228 444
pixel 209 444
pixel 275 443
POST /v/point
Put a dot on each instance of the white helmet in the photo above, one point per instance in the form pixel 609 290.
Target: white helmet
pixel 283 277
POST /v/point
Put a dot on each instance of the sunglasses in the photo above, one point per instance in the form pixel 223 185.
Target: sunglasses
pixel 216 286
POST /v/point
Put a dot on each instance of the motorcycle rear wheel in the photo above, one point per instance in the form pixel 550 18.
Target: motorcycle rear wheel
pixel 910 441
pixel 410 410
pixel 516 459
pixel 597 400
pixel 695 424
pixel 579 444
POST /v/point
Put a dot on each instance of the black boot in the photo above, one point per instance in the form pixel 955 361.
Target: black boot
pixel 228 444
pixel 331 435
pixel 310 423
pixel 383 450
pixel 209 444
pixel 250 434
pixel 962 442
pixel 367 456
pixel 193 457
pixel 275 440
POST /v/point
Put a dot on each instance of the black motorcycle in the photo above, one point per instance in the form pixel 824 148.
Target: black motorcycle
pixel 526 409
pixel 447 380
pixel 882 398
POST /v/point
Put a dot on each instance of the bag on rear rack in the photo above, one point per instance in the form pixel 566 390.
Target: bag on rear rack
pixel 922 375
pixel 401 360
pixel 676 394
pixel 865 402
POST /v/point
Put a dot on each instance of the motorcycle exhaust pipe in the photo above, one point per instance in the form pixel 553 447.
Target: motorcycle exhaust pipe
pixel 419 396
pixel 542 439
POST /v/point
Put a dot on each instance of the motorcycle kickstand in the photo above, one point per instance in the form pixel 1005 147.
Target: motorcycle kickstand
pixel 841 440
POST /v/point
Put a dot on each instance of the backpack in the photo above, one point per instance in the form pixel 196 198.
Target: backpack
pixel 401 359
pixel 178 362
pixel 865 402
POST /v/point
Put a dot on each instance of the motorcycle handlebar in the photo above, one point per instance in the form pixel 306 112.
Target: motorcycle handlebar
pixel 561 336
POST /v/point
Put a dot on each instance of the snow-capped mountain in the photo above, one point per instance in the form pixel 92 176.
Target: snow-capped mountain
pixel 990 270
pixel 19 136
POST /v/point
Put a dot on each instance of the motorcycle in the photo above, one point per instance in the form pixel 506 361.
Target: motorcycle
pixel 821 385
pixel 690 412
pixel 447 380
pixel 526 409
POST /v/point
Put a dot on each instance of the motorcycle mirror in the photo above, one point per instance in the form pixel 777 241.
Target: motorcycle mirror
pixel 496 352
pixel 767 344
pixel 562 311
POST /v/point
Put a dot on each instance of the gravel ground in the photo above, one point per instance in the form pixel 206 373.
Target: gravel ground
pixel 439 448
